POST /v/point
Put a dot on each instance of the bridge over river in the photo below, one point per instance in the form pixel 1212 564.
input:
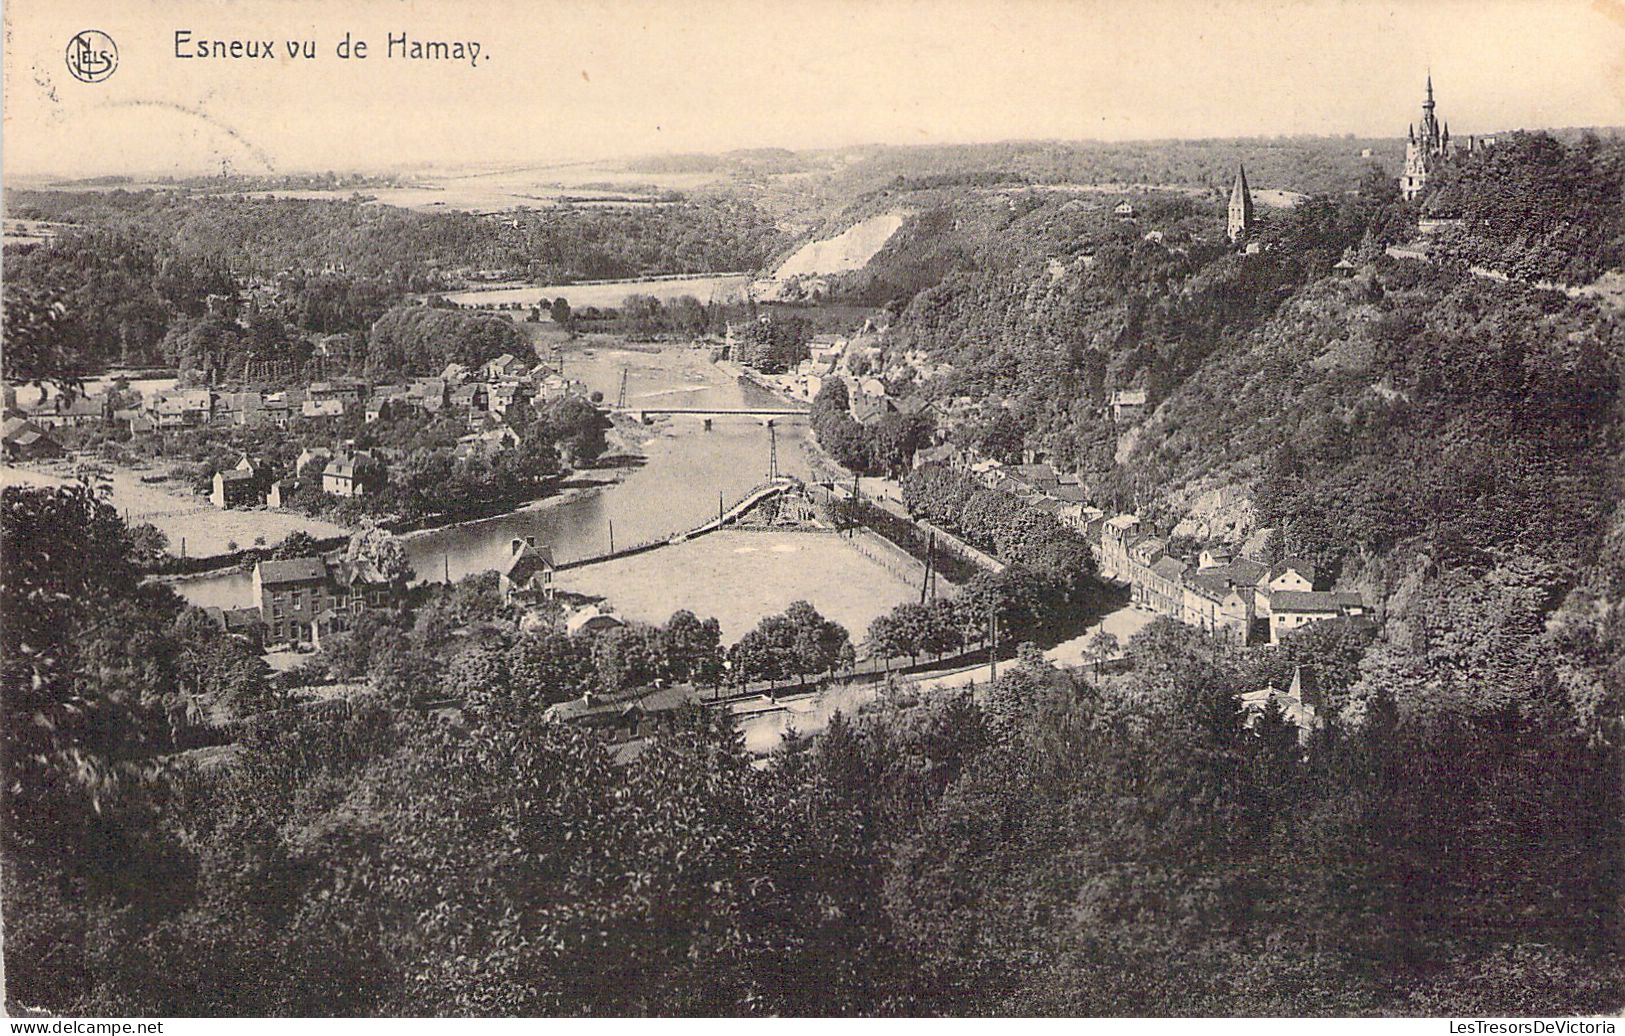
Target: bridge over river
pixel 765 414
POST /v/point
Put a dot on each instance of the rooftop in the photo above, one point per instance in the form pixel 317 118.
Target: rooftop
pixel 291 570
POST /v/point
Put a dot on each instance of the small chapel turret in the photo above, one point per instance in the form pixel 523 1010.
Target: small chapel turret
pixel 1241 207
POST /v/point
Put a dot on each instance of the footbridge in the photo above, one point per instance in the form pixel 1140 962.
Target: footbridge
pixel 647 414
pixel 771 488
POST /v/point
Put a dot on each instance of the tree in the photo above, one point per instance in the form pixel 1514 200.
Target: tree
pixel 384 551
pixel 44 344
pixel 693 648
pixel 816 645
pixel 629 657
pixel 560 312
pixel 297 544
pixel 1101 648
pixel 547 666
pixel 148 545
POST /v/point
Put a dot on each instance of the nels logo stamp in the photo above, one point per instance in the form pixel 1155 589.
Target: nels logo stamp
pixel 92 56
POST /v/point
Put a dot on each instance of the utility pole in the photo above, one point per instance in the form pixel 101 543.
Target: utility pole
pixel 612 535
pixel 993 644
pixel 772 452
pixel 621 403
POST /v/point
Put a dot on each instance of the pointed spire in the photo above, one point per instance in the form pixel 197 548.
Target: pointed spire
pixel 1240 188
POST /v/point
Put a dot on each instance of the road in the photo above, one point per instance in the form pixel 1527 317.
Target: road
pixel 764 723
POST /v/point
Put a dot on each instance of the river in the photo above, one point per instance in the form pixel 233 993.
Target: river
pixel 676 488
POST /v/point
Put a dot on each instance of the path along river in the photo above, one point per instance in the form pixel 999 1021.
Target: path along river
pixel 675 489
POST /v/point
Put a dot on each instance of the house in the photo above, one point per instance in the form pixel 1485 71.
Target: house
pixel 1219 599
pixel 1215 556
pixel 348 391
pixel 239 622
pixel 1301 704
pixel 469 397
pixel 947 453
pixel 1035 477
pixel 1142 554
pixel 1164 589
pixel 274 407
pixel 302 599
pixel 623 717
pixel 192 408
pixel 454 374
pixel 291 593
pixel 64 411
pixel 826 350
pixel 500 436
pixel 245 410
pixel 866 410
pixel 528 575
pixel 1116 535
pixel 1128 405
pixel 427 393
pixel 589 620
pixel 360 584
pixel 1287 574
pixel 25 440
pixel 311 460
pixel 235 488
pixel 919 406
pixel 504 366
pixel 350 475
pixel 1124 209
pixel 281 492
pixel 509 394
pixel 1293 609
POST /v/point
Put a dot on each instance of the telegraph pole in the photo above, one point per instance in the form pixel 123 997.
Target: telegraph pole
pixel 993 644
pixel 772 452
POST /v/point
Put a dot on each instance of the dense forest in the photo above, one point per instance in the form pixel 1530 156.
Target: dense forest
pixel 1534 208
pixel 1068 844
pixel 140 267
pixel 1120 840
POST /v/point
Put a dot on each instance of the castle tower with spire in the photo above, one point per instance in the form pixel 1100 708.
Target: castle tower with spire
pixel 1427 148
pixel 1241 207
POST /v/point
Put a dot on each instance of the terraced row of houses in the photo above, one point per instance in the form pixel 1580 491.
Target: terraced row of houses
pixel 1229 591
pixel 1232 593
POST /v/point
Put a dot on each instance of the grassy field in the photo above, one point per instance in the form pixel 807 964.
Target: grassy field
pixel 720 287
pixel 190 520
pixel 740 577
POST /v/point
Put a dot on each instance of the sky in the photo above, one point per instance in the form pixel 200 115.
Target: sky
pixel 559 82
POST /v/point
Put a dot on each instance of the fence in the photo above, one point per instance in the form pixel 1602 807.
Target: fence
pixel 888 555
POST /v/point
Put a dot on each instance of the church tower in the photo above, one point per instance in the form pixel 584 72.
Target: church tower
pixel 1241 207
pixel 1426 148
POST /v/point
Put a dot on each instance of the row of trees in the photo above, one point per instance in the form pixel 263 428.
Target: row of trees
pixel 886 446
pixel 1002 523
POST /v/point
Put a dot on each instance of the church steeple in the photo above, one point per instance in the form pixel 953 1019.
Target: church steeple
pixel 1241 206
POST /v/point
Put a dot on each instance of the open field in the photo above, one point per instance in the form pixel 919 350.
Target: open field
pixel 740 577
pixel 712 287
pixel 193 520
